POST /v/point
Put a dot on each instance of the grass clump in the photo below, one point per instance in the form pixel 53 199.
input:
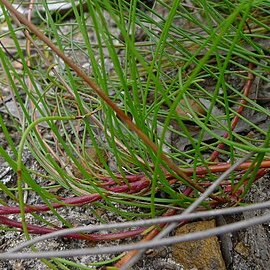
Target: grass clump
pixel 174 78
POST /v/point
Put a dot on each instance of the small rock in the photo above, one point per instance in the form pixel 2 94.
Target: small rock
pixel 201 254
pixel 242 249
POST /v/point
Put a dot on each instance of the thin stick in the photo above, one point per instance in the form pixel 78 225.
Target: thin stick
pixel 151 244
pixel 130 224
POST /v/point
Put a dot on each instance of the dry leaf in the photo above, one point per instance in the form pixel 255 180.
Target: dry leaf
pixel 183 110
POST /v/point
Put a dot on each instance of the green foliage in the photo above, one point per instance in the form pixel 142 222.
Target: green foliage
pixel 155 64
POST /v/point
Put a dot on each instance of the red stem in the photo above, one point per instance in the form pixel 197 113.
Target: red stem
pixel 77 201
pixel 34 229
pixel 222 167
pixel 235 120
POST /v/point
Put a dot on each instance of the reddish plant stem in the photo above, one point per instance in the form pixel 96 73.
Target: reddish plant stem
pixel 135 187
pixel 34 229
pixel 235 120
pixel 222 167
pixel 77 201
